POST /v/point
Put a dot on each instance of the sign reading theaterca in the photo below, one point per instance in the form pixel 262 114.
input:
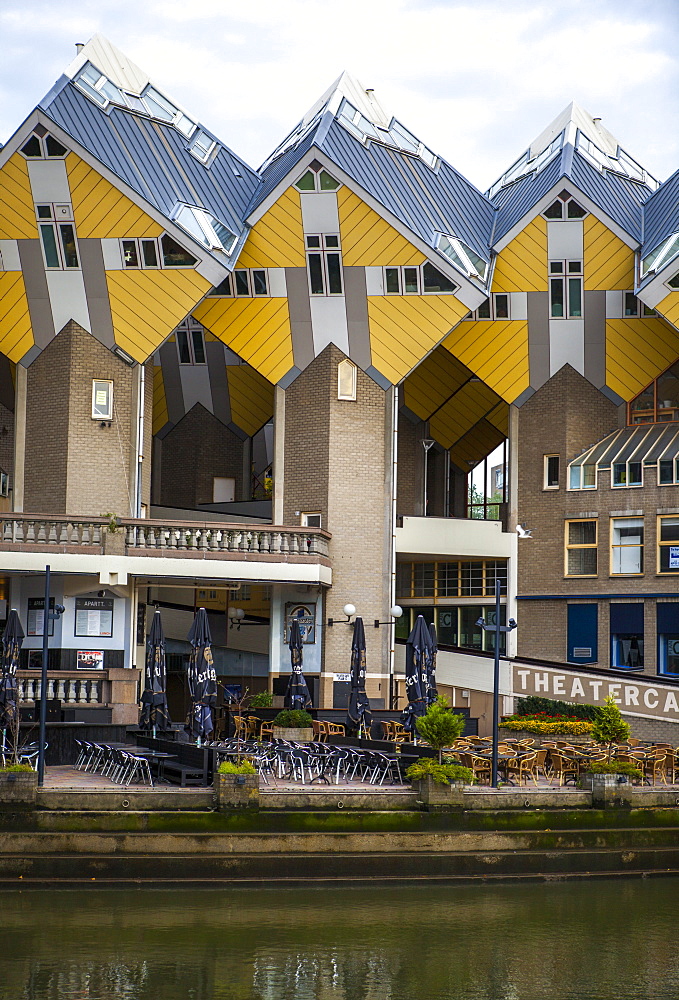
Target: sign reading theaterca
pixel 635 696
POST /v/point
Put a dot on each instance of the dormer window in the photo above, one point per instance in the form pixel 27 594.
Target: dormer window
pixel 40 147
pixel 565 207
pixel 466 259
pixel 204 227
pixel 316 180
pixel 202 145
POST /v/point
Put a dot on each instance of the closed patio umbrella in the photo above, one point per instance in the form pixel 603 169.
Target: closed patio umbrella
pixel 297 694
pixel 11 644
pixel 432 693
pixel 154 712
pixel 358 713
pixel 417 653
pixel 202 678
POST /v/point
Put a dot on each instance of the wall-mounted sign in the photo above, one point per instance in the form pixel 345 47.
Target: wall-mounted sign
pixel 102 399
pixel 141 624
pixel 89 659
pixel 306 616
pixel 343 678
pixel 674 557
pixel 35 616
pixel 94 616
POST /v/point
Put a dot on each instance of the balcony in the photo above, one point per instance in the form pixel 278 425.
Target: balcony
pixel 454 537
pixel 162 548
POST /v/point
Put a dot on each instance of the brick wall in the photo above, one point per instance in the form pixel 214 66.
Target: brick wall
pixel 410 466
pixel 73 464
pixel 198 449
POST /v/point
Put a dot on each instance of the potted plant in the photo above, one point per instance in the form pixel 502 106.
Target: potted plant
pixel 293 724
pixel 439 726
pixel 237 786
pixel 609 727
pixel 607 781
pixel 18 786
pixel 439 784
pixel 262 700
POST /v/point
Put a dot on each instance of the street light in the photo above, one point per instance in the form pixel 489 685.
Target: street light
pixel 498 630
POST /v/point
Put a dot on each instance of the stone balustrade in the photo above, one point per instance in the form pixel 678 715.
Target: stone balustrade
pixel 68 689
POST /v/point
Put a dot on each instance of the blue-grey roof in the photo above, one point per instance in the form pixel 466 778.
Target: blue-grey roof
pixel 513 202
pixel 153 158
pixel 661 214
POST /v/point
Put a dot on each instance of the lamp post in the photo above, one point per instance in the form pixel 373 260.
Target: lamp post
pixel 47 617
pixel 498 630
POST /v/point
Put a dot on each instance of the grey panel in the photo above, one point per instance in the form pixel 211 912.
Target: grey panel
pixel 37 293
pixel 216 363
pixel 300 315
pixel 523 396
pixel 30 356
pixel 174 397
pixel 613 396
pixel 595 338
pixel 378 377
pixel 538 337
pixel 355 293
pixel 96 291
pixel 290 377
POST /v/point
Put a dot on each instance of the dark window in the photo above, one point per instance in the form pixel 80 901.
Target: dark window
pixel 501 306
pixel 223 288
pixel 54 147
pixel 242 283
pixel 259 283
pixel 334 274
pixel 150 253
pixel 627 635
pixel 130 255
pixel 434 281
pixel 423 579
pixel 582 633
pixel 32 147
pixel 484 310
pixel 316 274
pixel 175 255
pixel 183 347
pixel 552 471
pixel 447 626
pixel 393 280
pixel 69 245
pixel 554 211
pixel 575 211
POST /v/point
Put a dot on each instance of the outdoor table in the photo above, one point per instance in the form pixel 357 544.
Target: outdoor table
pixel 159 756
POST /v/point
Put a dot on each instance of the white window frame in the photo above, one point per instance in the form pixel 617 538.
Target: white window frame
pixel 102 385
pixel 419 269
pixel 44 152
pixel 460 256
pixel 202 150
pixel 642 310
pixel 627 485
pixel 668 283
pixel 474 316
pixel 317 181
pixel 621 545
pixel 197 223
pixel 189 327
pixel 564 277
pixel 348 366
pixel 141 262
pixel 306 514
pixel 545 482
pixel 61 214
pixel 571 469
pixel 564 210
pixel 323 250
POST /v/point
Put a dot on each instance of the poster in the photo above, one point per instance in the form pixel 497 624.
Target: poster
pixel 306 616
pixel 674 557
pixel 35 616
pixel 89 659
pixel 94 616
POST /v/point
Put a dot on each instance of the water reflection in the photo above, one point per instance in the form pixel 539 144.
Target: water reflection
pixel 553 941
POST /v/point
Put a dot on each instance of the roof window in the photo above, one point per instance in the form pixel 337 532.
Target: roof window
pixel 620 164
pixel 202 146
pixel 565 207
pixel 661 255
pixel 39 147
pixel 525 165
pixel 205 228
pixel 396 136
pixel 463 256
pixel 316 179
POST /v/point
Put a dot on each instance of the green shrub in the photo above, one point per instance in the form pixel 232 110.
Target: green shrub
pixel 443 774
pixel 293 718
pixel 609 727
pixel 14 768
pixel 439 726
pixel 245 767
pixel 534 705
pixel 612 767
pixel 262 700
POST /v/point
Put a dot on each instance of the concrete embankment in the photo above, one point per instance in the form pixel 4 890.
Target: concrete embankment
pixel 155 848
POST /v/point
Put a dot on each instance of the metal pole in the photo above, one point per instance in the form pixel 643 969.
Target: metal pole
pixel 43 680
pixel 496 684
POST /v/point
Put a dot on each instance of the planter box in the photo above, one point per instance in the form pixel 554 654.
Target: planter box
pixel 523 734
pixel 18 789
pixel 294 735
pixel 436 796
pixel 607 790
pixel 237 791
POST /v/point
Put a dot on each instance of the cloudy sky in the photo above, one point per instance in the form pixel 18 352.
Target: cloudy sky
pixel 477 81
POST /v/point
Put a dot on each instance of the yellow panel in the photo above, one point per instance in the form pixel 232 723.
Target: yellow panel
pixel 433 382
pixel 367 240
pixel 100 210
pixel 669 308
pixel 147 305
pixel 16 334
pixel 17 211
pixel 476 444
pixel 404 328
pixel 160 414
pixel 277 240
pixel 637 351
pixel 608 263
pixel 495 351
pixel 522 265
pixel 251 398
pixel 258 330
pixel 456 417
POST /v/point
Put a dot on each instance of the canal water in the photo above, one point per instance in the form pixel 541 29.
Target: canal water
pixel 603 940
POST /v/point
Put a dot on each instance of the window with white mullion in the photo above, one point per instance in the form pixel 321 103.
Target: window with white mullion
pixel 59 244
pixel 565 289
pixel 324 265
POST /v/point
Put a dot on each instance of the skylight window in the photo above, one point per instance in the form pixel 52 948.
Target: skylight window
pixel 396 136
pixel 661 256
pixel 463 256
pixel 524 165
pixel 205 228
pixel 620 164
pixel 291 140
pixel 202 145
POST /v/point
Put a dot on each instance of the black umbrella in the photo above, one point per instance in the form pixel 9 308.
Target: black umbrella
pixel 297 694
pixel 417 655
pixel 358 712
pixel 202 677
pixel 154 713
pixel 11 644
pixel 432 693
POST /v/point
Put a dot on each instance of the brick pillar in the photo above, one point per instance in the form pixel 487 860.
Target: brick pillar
pixel 338 462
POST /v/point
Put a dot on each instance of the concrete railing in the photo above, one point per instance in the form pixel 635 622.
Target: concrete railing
pixel 128 536
pixel 67 688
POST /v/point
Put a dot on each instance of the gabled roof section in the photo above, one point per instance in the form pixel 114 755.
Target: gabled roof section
pixel 386 160
pixel 576 146
pixel 112 109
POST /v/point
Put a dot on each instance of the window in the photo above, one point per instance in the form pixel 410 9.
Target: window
pixel 202 145
pixel 526 165
pixel 564 207
pixel 451 579
pixel 667 618
pixel 324 265
pixel 582 477
pixel 659 401
pixel 668 544
pixel 243 282
pixel 496 306
pixel 673 282
pixel 551 470
pixel 626 474
pixel 565 289
pixel 581 551
pixel 462 256
pixel 346 380
pixel 140 253
pixel 426 279
pixel 456 625
pixel 310 519
pixel 174 255
pixel 635 307
pixel 627 636
pixel 190 343
pixel 661 255
pixel 668 472
pixel 395 135
pixel 582 645
pixel 58 238
pixel 205 228
pixel 627 545
pixel 45 146
pixel 317 179
pixel 102 399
